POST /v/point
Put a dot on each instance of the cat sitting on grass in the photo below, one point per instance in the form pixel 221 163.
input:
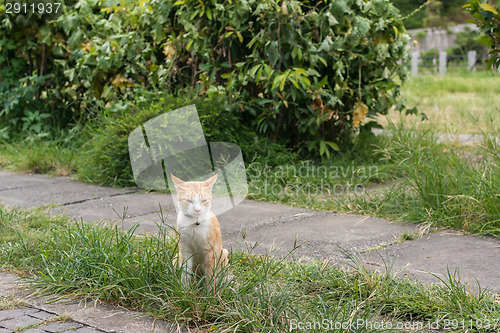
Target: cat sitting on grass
pixel 200 242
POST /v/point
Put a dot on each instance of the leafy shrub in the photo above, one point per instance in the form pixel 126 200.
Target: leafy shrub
pixel 33 94
pixel 105 158
pixel 301 73
pixel 487 18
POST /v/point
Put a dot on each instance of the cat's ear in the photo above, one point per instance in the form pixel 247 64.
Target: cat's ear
pixel 210 181
pixel 179 184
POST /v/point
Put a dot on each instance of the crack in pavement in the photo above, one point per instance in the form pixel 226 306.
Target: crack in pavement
pixel 274 221
pixel 96 198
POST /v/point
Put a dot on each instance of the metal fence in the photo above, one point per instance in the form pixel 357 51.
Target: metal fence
pixel 441 63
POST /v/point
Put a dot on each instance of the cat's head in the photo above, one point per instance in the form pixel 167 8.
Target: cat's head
pixel 194 198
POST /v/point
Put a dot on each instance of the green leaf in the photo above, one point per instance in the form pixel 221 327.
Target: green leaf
pixel 326 45
pixel 69 22
pixel 300 71
pixel 333 145
pixel 76 39
pixel 70 74
pixel 254 70
pixel 485 40
pixel 259 74
pixel 44 36
pixel 240 37
pixel 322 147
pixel 331 20
pixel 283 81
pixel 272 53
pixel 323 61
pixel 490 62
pixel 488 8
pixel 305 82
pixel 323 81
pixel 277 81
pixel 195 13
pixel 205 67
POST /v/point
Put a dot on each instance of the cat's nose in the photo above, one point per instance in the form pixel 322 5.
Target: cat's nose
pixel 197 210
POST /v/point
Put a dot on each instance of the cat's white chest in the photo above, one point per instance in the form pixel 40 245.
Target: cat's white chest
pixel 193 236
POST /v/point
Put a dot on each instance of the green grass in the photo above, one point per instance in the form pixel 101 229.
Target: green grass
pixel 258 293
pixel 57 155
pixel 10 302
pixel 458 103
pixel 37 158
pixel 447 186
pixel 439 184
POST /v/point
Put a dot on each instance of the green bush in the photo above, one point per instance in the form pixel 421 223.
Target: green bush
pixel 105 158
pixel 34 95
pixel 487 18
pixel 301 73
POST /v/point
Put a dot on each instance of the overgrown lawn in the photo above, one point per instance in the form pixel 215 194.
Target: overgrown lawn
pixel 255 294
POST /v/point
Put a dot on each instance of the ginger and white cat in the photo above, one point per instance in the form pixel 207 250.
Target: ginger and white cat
pixel 200 241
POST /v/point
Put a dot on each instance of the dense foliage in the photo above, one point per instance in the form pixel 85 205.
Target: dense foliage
pixel 487 18
pixel 104 159
pixel 33 92
pixel 302 73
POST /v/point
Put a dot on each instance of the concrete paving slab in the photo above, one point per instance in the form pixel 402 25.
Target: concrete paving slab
pixel 62 192
pixel 42 315
pixel 251 214
pixel 19 322
pixel 114 207
pixel 474 257
pixel 94 315
pixel 321 234
pixel 13 313
pixel 11 180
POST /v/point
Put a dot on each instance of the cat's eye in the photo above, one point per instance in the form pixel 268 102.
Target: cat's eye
pixel 188 201
pixel 204 200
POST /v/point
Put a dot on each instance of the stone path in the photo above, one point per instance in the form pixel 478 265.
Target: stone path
pixel 274 226
pixel 30 320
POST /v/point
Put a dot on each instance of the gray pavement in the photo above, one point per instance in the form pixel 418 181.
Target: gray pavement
pixel 276 228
